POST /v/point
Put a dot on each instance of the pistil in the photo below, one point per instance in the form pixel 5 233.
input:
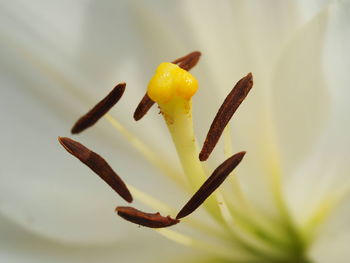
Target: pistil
pixel 172 88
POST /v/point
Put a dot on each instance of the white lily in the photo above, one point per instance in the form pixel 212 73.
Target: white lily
pixel 59 58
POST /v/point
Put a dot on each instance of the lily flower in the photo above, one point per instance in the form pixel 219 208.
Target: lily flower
pixel 287 200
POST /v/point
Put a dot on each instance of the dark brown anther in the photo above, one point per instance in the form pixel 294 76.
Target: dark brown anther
pixel 145 104
pixel 96 163
pixel 99 110
pixel 145 219
pixel 225 113
pixel 189 61
pixel 186 62
pixel 211 184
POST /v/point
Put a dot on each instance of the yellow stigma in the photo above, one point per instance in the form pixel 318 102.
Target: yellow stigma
pixel 171 81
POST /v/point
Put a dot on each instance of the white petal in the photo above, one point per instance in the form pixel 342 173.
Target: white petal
pixel 90 51
pixel 332 244
pixel 42 187
pixel 36 190
pixel 18 246
pixel 327 169
pixel 299 94
pixel 46 189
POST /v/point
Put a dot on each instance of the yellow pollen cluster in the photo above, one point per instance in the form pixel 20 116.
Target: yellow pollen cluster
pixel 171 81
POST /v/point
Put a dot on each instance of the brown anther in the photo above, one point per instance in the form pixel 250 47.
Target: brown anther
pixel 211 184
pixel 225 113
pixel 99 110
pixel 96 163
pixel 145 104
pixel 145 219
pixel 186 62
pixel 189 61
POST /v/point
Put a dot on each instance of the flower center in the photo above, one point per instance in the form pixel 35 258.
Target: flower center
pixel 254 236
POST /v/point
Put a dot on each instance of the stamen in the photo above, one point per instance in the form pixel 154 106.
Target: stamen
pixel 225 113
pixel 186 62
pixel 145 219
pixel 96 163
pixel 154 203
pixel 211 184
pixel 99 110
